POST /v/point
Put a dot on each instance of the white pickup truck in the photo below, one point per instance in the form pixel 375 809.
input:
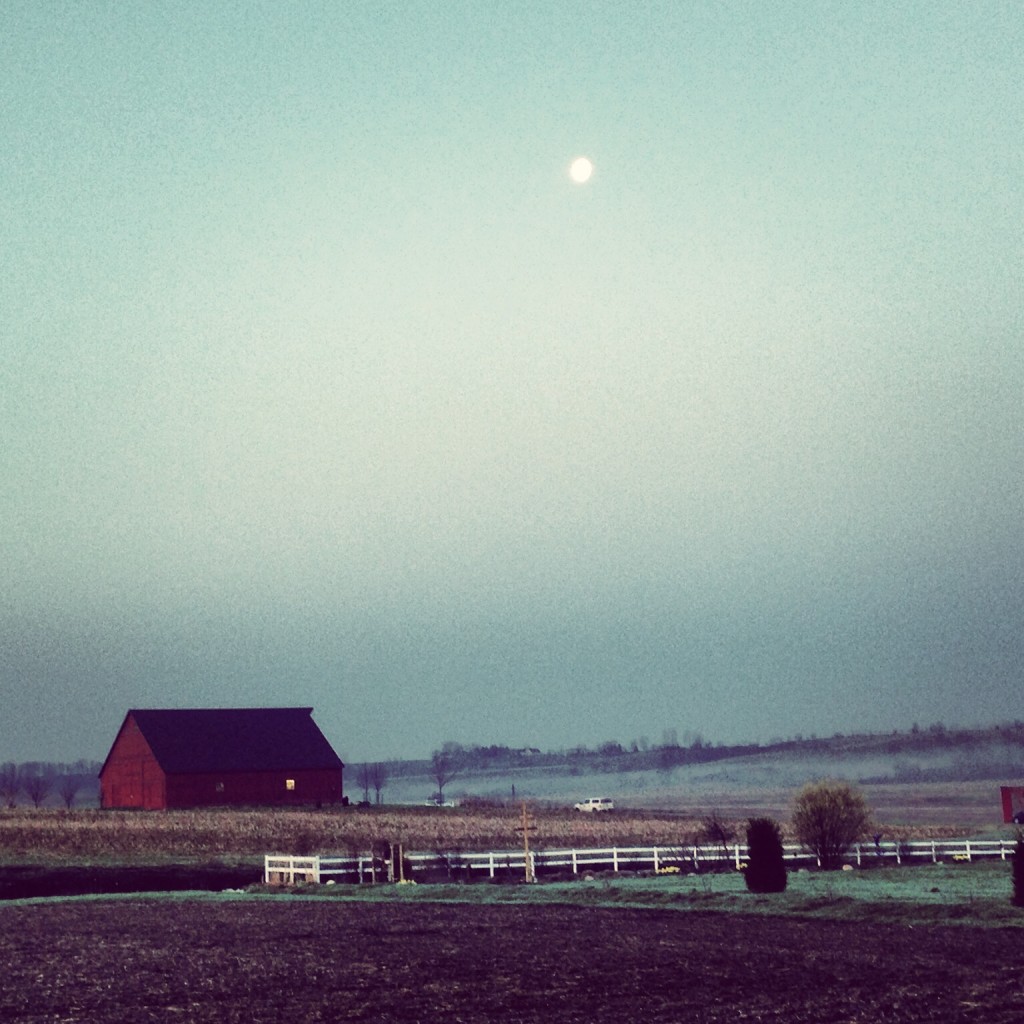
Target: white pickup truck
pixel 595 803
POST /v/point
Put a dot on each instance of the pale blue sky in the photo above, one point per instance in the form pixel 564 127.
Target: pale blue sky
pixel 321 382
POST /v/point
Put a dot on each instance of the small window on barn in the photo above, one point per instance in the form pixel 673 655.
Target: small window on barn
pixel 219 787
pixel 289 783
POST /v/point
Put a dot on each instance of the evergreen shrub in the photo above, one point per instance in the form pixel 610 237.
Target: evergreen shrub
pixel 766 869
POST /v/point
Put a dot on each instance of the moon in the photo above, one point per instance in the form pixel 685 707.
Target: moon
pixel 580 170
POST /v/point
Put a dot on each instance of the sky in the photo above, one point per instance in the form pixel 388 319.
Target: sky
pixel 322 383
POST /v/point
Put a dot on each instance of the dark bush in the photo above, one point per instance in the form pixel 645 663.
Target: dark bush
pixel 766 869
pixel 1018 872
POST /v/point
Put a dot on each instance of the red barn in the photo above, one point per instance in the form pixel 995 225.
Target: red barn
pixel 205 757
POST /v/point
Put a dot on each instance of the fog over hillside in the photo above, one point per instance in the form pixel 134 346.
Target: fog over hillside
pixel 993 759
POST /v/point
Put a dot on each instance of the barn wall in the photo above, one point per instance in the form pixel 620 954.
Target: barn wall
pixel 131 777
pixel 1013 801
pixel 209 790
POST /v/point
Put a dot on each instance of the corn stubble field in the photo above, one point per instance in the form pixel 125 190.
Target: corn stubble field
pixel 147 837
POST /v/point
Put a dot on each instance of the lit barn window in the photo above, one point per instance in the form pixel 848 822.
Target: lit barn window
pixel 289 783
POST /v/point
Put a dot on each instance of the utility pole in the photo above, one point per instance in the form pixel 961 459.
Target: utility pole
pixel 527 827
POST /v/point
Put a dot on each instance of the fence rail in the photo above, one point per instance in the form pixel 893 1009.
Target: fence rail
pixel 285 869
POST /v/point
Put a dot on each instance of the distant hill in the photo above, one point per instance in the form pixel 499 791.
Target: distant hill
pixel 660 776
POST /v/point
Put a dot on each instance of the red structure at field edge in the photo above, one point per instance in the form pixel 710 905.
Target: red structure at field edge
pixel 207 757
pixel 1013 802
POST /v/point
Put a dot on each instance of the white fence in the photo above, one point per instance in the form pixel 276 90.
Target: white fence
pixel 290 870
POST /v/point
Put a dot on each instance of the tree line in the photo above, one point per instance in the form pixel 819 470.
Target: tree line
pixel 39 781
pixel 674 749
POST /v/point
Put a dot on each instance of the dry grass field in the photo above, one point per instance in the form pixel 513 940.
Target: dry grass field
pixel 896 806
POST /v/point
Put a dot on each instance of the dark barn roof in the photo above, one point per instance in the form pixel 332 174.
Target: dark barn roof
pixel 190 741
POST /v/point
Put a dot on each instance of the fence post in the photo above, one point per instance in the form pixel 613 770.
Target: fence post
pixel 696 866
pixel 656 860
pixel 575 866
pixel 615 859
pixel 967 847
pixel 858 855
pixel 737 849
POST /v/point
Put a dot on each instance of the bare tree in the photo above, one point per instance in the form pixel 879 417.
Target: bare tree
pixel 363 780
pixel 37 781
pixel 10 783
pixel 444 767
pixel 70 784
pixel 718 832
pixel 378 778
pixel 372 775
pixel 828 818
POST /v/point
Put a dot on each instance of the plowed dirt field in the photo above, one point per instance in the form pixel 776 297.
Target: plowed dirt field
pixel 262 960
